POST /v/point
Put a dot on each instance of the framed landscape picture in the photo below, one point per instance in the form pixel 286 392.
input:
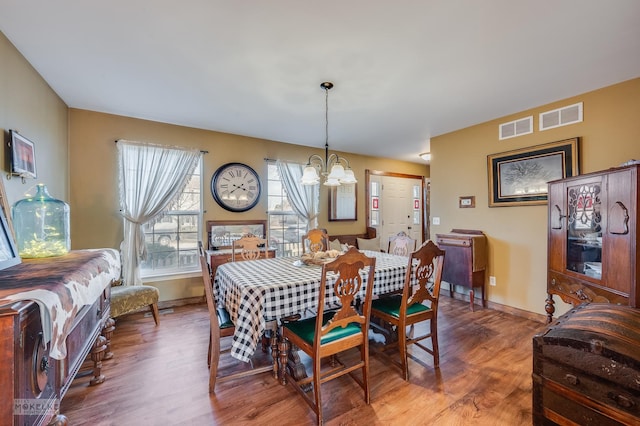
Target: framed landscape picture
pixel 23 156
pixel 520 177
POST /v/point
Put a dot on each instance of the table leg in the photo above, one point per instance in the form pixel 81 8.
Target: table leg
pixel 289 359
pixel 274 354
pixel 283 348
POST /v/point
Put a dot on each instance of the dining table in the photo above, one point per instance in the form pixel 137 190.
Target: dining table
pixel 257 291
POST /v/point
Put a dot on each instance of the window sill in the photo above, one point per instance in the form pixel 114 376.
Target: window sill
pixel 170 276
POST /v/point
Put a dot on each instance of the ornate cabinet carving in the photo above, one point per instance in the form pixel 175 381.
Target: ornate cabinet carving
pixel 592 236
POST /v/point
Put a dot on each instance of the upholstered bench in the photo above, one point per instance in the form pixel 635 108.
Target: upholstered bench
pixel 352 239
pixel 126 299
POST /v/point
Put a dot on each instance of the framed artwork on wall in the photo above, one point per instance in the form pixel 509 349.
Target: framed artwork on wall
pixel 23 156
pixel 520 177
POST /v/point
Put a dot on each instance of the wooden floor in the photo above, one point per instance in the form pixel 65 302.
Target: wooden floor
pixel 159 376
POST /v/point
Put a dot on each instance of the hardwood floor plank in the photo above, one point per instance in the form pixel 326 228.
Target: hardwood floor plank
pixel 159 376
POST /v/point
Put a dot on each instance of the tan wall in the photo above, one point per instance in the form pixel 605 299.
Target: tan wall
pixel 94 185
pixel 29 105
pixel 84 173
pixel 610 135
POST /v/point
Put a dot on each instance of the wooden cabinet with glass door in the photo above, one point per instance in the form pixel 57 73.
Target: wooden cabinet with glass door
pixel 592 235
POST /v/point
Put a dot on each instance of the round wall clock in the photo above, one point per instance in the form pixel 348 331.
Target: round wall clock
pixel 236 187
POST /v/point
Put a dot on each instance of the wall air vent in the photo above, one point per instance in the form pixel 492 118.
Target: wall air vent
pixel 561 116
pixel 515 128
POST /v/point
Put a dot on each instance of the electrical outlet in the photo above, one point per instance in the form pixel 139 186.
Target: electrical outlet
pixel 492 280
pixel 435 220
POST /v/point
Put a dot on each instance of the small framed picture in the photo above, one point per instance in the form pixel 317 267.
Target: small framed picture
pixel 23 155
pixel 467 202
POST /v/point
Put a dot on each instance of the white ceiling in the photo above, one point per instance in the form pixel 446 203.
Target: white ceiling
pixel 404 70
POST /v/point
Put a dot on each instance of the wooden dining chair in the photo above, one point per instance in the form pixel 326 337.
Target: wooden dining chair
pixel 401 244
pixel 221 326
pixel 331 332
pixel 418 302
pixel 249 247
pixel 315 240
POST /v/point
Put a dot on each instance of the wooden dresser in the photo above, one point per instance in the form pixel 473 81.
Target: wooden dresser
pixel 41 350
pixel 592 236
pixel 465 260
pixel 586 368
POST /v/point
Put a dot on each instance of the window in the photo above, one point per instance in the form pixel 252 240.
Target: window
pixel 286 227
pixel 172 238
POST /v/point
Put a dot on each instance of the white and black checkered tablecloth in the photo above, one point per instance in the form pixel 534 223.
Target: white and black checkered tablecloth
pixel 259 290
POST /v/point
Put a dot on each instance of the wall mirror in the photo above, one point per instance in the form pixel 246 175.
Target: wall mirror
pixel 343 203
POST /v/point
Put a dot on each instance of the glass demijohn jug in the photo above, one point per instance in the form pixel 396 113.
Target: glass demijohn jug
pixel 42 225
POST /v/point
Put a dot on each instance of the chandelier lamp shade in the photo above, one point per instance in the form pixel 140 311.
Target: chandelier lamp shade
pixel 340 172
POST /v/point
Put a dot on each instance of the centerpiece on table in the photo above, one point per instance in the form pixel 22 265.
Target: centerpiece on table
pixel 320 257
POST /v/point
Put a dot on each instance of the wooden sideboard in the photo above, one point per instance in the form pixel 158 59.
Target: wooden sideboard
pixel 32 380
pixel 465 260
pixel 222 233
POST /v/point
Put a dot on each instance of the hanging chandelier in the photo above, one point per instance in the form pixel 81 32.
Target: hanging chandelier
pixel 340 174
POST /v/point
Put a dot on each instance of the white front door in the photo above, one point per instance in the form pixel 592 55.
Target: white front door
pixel 401 208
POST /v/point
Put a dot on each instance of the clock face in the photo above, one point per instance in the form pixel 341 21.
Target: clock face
pixel 236 187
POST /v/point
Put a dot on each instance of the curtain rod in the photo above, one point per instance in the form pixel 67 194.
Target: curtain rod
pixel 202 150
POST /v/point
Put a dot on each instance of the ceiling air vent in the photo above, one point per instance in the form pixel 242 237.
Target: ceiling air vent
pixel 515 128
pixel 561 116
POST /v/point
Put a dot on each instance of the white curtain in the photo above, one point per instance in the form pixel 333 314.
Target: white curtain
pixel 150 178
pixel 305 200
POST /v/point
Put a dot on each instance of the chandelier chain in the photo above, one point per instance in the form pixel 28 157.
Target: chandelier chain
pixel 326 123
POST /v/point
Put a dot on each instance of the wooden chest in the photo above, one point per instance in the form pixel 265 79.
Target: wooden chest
pixel 586 368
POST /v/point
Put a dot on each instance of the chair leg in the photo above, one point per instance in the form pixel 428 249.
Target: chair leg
pixel 434 342
pixel 214 358
pixel 402 347
pixel 209 351
pixel 316 390
pixel 364 356
pixel 154 312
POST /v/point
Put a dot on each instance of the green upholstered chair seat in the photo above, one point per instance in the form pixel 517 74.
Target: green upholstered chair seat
pixel 224 319
pixel 126 299
pixel 306 329
pixel 391 306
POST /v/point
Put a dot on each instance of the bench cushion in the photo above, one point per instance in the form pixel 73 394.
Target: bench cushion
pixel 127 299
